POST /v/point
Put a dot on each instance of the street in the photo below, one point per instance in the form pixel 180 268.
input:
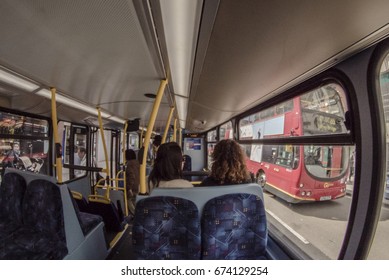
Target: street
pixel 319 228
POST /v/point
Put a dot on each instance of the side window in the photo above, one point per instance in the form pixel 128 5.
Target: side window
pixel 75 149
pixel 226 131
pixel 211 142
pixel 24 143
pixel 282 152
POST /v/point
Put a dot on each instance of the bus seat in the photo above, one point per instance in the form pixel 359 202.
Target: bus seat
pixel 87 221
pixel 103 207
pixel 12 191
pixel 166 228
pixel 81 201
pixel 200 195
pixel 234 227
pixel 42 235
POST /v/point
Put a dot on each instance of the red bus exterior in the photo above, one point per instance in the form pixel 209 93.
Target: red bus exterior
pixel 296 173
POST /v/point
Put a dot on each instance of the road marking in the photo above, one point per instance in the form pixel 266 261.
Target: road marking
pixel 295 233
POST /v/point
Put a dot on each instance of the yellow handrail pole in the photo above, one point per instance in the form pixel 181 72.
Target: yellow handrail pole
pixel 153 116
pixel 106 170
pixel 58 156
pixel 167 125
pixel 124 166
pixel 175 131
pixel 180 137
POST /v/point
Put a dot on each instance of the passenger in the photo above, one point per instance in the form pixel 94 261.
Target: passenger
pixel 80 159
pixel 228 167
pixel 156 143
pixel 132 179
pixel 167 169
pixel 12 157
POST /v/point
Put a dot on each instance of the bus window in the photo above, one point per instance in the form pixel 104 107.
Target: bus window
pixel 24 143
pixel 310 175
pixel 225 131
pixel 378 249
pixel 318 112
pixel 75 147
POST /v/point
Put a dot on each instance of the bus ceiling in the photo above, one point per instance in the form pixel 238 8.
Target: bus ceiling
pixel 221 57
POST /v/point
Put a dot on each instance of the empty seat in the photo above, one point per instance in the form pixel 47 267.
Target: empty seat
pixel 234 227
pixel 166 228
pixel 12 191
pixel 109 212
pixel 42 235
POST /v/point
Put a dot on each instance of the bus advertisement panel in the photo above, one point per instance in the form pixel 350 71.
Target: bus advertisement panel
pixel 299 173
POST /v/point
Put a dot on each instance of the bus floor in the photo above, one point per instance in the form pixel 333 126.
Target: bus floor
pixel 123 249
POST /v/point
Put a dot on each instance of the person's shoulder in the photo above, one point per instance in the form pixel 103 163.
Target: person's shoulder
pixel 176 183
pixel 209 181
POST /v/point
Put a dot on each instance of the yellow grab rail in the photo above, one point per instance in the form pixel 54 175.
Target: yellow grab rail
pixel 175 130
pixel 153 116
pixel 167 125
pixel 58 155
pixel 124 168
pixel 106 170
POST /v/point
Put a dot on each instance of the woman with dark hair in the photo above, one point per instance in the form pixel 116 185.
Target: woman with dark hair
pixel 167 169
pixel 132 179
pixel 228 167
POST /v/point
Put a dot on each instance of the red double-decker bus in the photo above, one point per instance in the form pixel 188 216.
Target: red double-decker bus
pixel 299 173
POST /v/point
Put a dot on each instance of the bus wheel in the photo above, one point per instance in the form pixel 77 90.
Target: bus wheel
pixel 261 179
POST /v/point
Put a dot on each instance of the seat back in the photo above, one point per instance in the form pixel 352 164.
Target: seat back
pixel 166 228
pixel 42 208
pixel 12 189
pixel 200 195
pixel 109 212
pixel 234 227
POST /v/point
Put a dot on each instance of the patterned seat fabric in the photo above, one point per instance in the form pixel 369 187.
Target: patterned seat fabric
pixel 234 227
pixel 166 228
pixel 42 235
pixel 12 191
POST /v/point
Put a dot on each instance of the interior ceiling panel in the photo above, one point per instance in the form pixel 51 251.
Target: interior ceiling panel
pixel 257 47
pixel 82 47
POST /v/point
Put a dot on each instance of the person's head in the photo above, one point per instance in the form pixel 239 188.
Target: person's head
pixel 167 164
pixel 16 147
pixel 130 154
pixel 81 152
pixel 229 165
pixel 157 140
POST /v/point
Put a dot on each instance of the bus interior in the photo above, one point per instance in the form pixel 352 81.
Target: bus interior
pixel 302 86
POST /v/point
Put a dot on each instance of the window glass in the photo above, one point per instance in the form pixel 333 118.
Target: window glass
pixel 317 112
pixel 24 143
pixel 378 249
pixel 211 136
pixel 225 131
pixel 75 149
pixel 307 187
pixel 210 148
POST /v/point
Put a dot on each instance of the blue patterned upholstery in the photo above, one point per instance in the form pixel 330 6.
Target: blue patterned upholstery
pixel 234 227
pixel 42 235
pixel 166 228
pixel 12 191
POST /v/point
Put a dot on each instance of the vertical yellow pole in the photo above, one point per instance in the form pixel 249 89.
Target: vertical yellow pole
pixel 180 137
pixel 124 141
pixel 150 126
pixel 167 125
pixel 58 156
pixel 175 131
pixel 106 170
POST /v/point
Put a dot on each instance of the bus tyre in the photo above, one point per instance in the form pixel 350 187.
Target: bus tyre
pixel 261 179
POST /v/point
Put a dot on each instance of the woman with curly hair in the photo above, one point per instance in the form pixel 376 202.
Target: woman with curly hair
pixel 228 167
